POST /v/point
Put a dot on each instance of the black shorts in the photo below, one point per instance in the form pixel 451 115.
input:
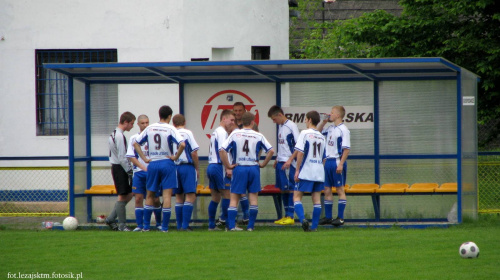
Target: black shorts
pixel 120 177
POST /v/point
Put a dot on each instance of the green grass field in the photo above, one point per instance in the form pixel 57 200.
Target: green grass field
pixel 267 253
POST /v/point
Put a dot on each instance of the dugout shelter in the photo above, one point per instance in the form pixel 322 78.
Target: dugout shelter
pixel 417 125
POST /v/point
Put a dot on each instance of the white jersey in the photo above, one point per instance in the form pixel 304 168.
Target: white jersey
pixel 312 143
pixel 161 138
pixel 288 133
pixel 117 144
pixel 338 138
pixel 190 147
pixel 131 153
pixel 218 137
pixel 244 146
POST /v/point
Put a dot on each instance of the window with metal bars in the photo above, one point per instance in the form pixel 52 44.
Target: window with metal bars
pixel 52 87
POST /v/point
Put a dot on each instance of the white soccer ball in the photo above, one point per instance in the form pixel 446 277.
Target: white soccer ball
pixel 469 250
pixel 70 223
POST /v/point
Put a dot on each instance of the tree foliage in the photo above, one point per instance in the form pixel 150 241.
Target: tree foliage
pixel 462 31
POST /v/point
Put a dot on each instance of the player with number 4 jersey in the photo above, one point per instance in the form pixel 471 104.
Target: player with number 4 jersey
pixel 244 145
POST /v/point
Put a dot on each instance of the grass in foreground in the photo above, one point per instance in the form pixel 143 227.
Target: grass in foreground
pixel 267 253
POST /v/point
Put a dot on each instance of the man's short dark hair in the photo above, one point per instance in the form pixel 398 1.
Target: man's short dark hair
pixel 127 117
pixel 178 120
pixel 239 103
pixel 247 118
pixel 164 112
pixel 274 110
pixel 314 117
pixel 225 113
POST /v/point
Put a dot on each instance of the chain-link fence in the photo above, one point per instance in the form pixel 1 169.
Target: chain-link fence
pixel 488 168
pixel 43 191
pixel 34 191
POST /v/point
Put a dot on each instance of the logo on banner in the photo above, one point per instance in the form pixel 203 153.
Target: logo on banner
pixel 222 100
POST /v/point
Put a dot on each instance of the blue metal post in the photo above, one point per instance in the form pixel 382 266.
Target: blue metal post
pixel 459 147
pixel 88 149
pixel 376 145
pixel 71 146
pixel 181 98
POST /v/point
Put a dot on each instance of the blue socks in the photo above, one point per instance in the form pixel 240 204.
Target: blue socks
pixel 290 206
pixel 166 219
pixel 286 204
pixel 231 217
pixel 187 211
pixel 139 217
pixel 178 214
pixel 157 212
pixel 316 215
pixel 328 208
pixel 212 211
pixel 342 204
pixel 254 210
pixel 299 210
pixel 244 207
pixel 224 206
pixel 148 211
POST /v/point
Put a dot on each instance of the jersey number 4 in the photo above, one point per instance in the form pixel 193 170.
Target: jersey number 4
pixel 245 147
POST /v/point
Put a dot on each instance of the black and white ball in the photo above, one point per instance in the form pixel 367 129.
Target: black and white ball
pixel 70 223
pixel 469 250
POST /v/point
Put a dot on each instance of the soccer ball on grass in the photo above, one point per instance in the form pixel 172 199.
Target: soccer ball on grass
pixel 70 223
pixel 469 250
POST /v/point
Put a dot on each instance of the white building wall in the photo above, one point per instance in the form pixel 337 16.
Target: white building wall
pixel 141 31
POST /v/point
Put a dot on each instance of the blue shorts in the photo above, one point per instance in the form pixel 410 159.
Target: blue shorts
pixel 162 175
pixel 217 180
pixel 332 178
pixel 186 179
pixel 284 181
pixel 139 182
pixel 248 179
pixel 309 186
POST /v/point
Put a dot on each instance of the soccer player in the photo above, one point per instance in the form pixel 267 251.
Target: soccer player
pixel 284 165
pixel 139 180
pixel 162 173
pixel 121 170
pixel 239 109
pixel 337 149
pixel 244 146
pixel 187 175
pixel 219 183
pixel 309 173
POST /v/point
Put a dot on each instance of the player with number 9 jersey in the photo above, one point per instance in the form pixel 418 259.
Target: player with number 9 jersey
pixel 160 137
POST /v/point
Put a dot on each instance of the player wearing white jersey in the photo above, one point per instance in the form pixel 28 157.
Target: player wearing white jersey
pixel 121 170
pixel 140 175
pixel 218 182
pixel 245 146
pixel 162 173
pixel 285 163
pixel 310 173
pixel 337 149
pixel 238 109
pixel 187 175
